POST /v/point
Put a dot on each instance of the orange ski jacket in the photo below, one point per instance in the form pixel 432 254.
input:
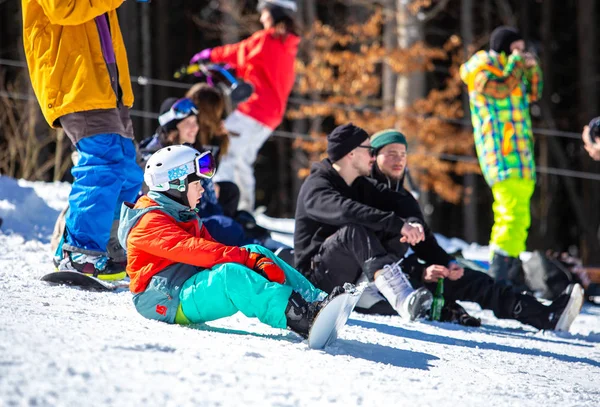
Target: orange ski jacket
pixel 156 240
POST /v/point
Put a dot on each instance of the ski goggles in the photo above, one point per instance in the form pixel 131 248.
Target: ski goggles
pixel 180 110
pixel 203 166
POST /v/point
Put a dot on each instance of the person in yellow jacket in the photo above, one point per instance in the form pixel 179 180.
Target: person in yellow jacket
pixel 78 68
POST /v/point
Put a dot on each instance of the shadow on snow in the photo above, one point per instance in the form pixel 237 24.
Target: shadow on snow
pixel 421 336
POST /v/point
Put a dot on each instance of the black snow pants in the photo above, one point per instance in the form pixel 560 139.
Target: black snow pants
pixel 479 287
pixel 349 252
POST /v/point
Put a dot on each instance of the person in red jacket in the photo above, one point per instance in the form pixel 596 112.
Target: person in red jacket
pixel 180 274
pixel 266 60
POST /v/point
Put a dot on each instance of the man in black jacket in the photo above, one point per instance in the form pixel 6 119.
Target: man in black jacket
pixel 338 238
pixel 426 266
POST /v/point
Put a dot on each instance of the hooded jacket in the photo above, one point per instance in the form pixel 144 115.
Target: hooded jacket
pixel 68 69
pixel 500 90
pixel 159 232
pixel 326 204
pixel 395 185
pixel 405 203
pixel 267 62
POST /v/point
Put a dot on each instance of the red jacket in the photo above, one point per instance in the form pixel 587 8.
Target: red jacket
pixel 158 240
pixel 267 62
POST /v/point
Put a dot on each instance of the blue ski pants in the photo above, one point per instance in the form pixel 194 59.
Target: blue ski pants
pixel 105 176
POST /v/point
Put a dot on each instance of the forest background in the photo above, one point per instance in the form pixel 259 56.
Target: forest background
pixel 381 64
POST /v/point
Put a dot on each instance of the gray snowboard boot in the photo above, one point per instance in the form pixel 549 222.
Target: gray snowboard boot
pixel 395 287
pixel 508 270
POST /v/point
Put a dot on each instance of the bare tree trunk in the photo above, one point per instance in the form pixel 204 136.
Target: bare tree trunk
pixel 506 12
pixel 30 142
pixel 149 125
pixel 58 155
pixel 587 47
pixel 389 78
pixel 162 48
pixel 410 88
pixel 283 200
pixel 410 30
pixel 546 193
pixel 308 11
pixel 129 18
pixel 231 9
pixel 588 96
pixel 487 16
pixel 470 213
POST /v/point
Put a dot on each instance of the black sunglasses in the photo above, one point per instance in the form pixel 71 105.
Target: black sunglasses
pixel 372 152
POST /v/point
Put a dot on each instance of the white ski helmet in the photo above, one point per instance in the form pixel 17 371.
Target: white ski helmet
pixel 172 168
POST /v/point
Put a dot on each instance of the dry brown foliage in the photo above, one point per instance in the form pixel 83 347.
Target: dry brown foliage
pixel 24 146
pixel 344 70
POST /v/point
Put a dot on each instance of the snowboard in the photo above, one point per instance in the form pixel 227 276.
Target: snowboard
pixel 85 282
pixel 332 318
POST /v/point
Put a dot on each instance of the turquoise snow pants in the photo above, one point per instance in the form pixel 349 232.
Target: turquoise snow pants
pixel 228 288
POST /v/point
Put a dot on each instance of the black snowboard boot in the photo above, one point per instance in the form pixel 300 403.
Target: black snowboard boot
pixel 300 314
pixel 559 315
pixel 452 312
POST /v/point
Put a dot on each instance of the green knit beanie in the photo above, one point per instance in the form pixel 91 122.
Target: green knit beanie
pixel 384 137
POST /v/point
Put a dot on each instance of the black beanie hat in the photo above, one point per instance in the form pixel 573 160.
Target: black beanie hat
pixel 502 37
pixel 344 139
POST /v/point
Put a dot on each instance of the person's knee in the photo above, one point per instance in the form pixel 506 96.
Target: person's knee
pixel 233 273
pixel 256 248
pixel 355 232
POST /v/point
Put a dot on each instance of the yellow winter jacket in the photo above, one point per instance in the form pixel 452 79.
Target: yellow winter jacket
pixel 64 56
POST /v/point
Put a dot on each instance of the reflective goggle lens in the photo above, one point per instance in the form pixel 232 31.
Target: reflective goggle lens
pixel 184 107
pixel 180 110
pixel 205 165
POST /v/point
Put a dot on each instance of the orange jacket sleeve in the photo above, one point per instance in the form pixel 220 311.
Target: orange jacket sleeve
pixel 160 235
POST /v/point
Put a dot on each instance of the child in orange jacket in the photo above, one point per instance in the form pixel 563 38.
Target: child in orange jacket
pixel 179 274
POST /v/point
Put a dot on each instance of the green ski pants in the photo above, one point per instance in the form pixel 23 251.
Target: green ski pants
pixel 511 215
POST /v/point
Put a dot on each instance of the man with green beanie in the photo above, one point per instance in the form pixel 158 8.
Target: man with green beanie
pixel 430 261
pixel 501 83
pixel 340 237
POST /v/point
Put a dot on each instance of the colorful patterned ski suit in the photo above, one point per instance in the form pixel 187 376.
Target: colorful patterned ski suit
pixel 500 90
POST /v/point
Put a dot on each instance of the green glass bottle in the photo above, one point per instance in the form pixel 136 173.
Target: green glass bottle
pixel 438 301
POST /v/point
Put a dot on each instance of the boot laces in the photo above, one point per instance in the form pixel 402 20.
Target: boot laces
pixel 397 280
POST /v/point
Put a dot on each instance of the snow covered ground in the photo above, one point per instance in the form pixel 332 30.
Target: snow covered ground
pixel 61 346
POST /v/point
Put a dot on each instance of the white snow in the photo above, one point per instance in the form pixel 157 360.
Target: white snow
pixel 61 346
